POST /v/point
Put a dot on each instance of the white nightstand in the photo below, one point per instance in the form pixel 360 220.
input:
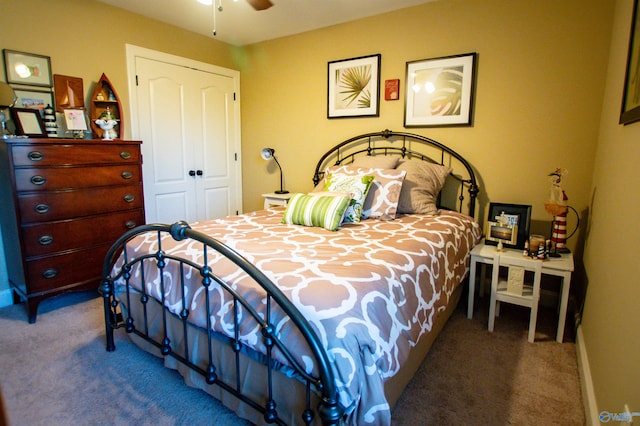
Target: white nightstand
pixel 558 266
pixel 273 199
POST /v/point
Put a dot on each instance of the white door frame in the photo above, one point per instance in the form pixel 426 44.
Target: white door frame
pixel 133 51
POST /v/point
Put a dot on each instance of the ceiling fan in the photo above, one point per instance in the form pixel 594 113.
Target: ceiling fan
pixel 256 4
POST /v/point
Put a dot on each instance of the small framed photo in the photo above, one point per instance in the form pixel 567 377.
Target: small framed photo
pixel 392 90
pixel 516 215
pixel 27 68
pixel 497 232
pixel 440 91
pixel 354 87
pixel 75 120
pixel 33 99
pixel 28 122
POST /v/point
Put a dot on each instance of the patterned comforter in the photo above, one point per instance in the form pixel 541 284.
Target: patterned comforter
pixel 370 290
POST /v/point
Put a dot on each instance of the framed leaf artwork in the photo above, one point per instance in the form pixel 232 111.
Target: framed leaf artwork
pixel 354 87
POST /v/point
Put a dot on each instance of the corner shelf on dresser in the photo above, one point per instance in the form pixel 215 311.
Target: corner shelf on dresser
pixel 65 202
pixel 105 97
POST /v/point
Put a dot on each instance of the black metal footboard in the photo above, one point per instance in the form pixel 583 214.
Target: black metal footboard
pixel 329 411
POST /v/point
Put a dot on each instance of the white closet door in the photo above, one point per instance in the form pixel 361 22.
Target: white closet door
pixel 187 121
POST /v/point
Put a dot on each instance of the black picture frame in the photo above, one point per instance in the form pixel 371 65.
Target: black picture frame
pixel 28 123
pixel 630 111
pixel 353 87
pixel 440 92
pixel 37 68
pixel 520 213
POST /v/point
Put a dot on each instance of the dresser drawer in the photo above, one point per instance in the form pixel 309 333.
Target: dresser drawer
pixel 67 155
pixel 64 235
pixel 54 272
pixel 58 205
pixel 41 179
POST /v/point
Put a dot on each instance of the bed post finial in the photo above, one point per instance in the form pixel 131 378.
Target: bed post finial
pixel 178 229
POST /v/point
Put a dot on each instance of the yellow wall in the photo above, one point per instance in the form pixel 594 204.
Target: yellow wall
pixel 539 91
pixel 611 320
pixel 539 100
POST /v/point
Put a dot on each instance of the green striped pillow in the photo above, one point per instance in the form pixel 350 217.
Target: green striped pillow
pixel 325 211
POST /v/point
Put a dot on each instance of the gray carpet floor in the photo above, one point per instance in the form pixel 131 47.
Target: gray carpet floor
pixel 57 371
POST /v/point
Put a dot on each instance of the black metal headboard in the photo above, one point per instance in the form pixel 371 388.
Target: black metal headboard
pixel 409 145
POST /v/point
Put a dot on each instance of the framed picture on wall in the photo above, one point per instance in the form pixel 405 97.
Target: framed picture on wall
pixel 27 68
pixel 631 96
pixel 354 87
pixel 33 99
pixel 518 215
pixel 440 91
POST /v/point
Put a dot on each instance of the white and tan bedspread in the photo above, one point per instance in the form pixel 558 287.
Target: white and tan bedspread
pixel 370 290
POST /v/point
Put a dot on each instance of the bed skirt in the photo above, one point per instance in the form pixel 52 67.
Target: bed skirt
pixel 288 391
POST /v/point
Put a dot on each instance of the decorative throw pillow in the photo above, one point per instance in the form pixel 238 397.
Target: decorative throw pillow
pixel 357 186
pixel 421 186
pixel 384 194
pixel 324 211
pixel 376 161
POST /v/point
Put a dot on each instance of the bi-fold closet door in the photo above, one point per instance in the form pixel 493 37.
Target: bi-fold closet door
pixel 188 120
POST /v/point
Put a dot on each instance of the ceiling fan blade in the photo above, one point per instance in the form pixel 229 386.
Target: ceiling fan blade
pixel 260 4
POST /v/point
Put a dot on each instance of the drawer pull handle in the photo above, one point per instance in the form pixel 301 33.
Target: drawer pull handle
pixel 130 224
pixel 50 273
pixel 126 175
pixel 38 180
pixel 45 240
pixel 42 208
pixel 125 155
pixel 35 156
pixel 129 198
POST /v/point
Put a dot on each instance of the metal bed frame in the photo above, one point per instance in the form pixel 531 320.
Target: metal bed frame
pixel 329 411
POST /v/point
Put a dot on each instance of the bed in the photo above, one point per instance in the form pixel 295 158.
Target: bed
pixel 319 312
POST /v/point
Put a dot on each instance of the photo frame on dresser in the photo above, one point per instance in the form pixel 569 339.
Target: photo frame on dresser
pixel 518 215
pixel 28 122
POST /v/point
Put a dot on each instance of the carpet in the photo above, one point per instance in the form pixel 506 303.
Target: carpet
pixel 57 371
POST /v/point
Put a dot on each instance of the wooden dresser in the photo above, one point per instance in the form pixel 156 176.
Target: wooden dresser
pixel 64 202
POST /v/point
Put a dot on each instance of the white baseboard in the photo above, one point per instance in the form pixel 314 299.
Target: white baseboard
pixel 6 298
pixel 592 416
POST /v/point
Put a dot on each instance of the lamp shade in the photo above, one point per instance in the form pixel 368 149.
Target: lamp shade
pixel 7 95
pixel 268 154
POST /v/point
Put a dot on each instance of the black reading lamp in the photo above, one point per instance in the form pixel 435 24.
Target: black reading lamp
pixel 268 154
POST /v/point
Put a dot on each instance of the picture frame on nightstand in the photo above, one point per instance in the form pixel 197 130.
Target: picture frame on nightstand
pixel 518 215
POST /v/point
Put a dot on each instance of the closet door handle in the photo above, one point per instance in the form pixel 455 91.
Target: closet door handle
pixel 192 173
pixel 199 172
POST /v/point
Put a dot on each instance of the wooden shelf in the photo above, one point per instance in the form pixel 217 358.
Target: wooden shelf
pixel 101 100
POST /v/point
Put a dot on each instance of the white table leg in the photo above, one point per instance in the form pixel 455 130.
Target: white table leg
pixel 564 300
pixel 472 287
